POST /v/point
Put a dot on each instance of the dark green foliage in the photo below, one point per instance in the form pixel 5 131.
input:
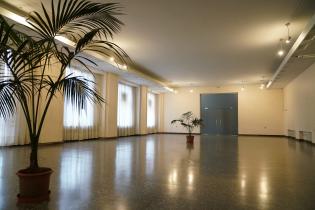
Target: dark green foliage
pixel 188 121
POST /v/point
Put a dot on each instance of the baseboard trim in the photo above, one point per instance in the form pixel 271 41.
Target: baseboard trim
pixel 300 140
pixel 262 135
pixel 172 133
pixel 178 133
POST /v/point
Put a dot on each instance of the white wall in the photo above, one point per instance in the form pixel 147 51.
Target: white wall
pixel 260 111
pixel 299 103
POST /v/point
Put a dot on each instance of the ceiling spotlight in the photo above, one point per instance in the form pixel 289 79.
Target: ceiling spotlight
pixel 281 51
pixel 243 85
pixel 262 86
pixel 288 40
pixel 112 59
pixel 191 90
pixel 124 66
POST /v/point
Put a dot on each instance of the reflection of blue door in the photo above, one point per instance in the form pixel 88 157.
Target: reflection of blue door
pixel 219 113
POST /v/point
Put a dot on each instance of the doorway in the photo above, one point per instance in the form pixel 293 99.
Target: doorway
pixel 219 113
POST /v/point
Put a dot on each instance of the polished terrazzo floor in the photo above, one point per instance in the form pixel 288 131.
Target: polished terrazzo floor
pixel 161 172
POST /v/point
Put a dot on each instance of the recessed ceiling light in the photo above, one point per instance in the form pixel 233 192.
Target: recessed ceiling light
pixel 169 89
pixel 288 40
pixel 112 59
pixel 281 52
pixel 262 86
pixel 124 66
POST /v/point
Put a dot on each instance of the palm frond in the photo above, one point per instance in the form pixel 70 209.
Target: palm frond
pixel 8 35
pixel 7 100
pixel 71 16
pixel 79 90
pixel 86 44
pixel 175 121
pixel 108 49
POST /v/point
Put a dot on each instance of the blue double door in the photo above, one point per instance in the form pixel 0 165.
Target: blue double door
pixel 219 113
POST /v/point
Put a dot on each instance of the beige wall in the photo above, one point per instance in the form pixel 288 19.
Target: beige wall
pixel 260 111
pixel 101 87
pixel 107 85
pixel 111 105
pixel 143 110
pixel 270 112
pixel 299 103
pixel 53 125
pixel 160 113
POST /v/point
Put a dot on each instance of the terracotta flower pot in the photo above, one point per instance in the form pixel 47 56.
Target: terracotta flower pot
pixel 34 186
pixel 190 139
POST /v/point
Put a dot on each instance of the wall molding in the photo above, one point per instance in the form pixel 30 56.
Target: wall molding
pixel 178 133
pixel 262 135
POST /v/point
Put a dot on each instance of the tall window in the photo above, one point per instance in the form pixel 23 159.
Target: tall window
pixel 126 110
pixel 74 117
pixel 6 126
pixel 151 112
pixel 12 130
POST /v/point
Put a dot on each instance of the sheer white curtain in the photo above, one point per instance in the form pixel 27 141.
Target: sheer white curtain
pixel 13 131
pixel 152 112
pixel 80 123
pixel 126 110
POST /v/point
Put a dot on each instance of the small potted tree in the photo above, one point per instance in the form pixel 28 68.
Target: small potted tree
pixel 189 122
pixel 87 26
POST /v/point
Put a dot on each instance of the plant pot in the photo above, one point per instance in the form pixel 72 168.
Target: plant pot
pixel 34 185
pixel 190 139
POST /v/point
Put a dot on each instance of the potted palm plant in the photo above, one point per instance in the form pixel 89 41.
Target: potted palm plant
pixel 189 122
pixel 87 26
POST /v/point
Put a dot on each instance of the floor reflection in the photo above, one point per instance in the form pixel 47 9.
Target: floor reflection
pixel 123 164
pixel 150 156
pixel 263 189
pixel 190 179
pixel 163 172
pixel 75 176
pixel 1 179
pixel 172 181
pixel 243 185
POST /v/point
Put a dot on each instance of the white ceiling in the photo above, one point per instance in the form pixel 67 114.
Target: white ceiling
pixel 205 42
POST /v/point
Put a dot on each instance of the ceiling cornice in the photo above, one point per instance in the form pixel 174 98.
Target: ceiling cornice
pixel 14 13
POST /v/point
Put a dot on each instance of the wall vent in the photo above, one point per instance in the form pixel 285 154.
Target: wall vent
pixel 305 135
pixel 291 133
